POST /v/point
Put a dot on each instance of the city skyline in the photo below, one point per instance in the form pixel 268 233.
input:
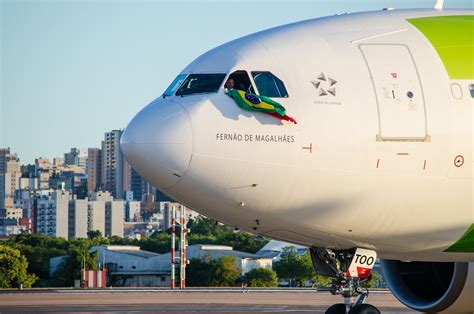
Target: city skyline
pixel 62 155
pixel 72 70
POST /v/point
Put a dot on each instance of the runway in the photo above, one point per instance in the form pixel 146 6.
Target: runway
pixel 186 301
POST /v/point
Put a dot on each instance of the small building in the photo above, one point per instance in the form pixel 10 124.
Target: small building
pixel 245 261
pixel 129 266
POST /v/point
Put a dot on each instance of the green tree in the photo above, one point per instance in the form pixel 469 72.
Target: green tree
pixel 322 281
pixel 42 240
pixel 261 277
pixel 294 267
pixel 309 273
pixel 13 269
pixel 38 249
pixel 208 231
pixel 243 241
pixel 199 272
pixel 373 280
pixel 286 268
pixel 226 272
pixel 205 226
pixel 78 257
pixel 158 242
pixel 93 234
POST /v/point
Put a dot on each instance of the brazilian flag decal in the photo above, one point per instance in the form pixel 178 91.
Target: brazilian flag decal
pixel 264 104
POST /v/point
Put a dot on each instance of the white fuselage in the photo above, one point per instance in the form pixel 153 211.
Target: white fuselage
pixel 371 166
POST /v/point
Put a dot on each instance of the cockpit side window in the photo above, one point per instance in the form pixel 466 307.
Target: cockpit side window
pixel 241 81
pixel 201 84
pixel 174 85
pixel 269 85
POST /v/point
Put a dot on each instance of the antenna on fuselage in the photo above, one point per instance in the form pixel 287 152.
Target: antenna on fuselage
pixel 439 4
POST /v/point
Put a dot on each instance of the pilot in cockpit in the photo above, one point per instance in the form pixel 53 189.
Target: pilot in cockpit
pixel 229 84
pixel 239 83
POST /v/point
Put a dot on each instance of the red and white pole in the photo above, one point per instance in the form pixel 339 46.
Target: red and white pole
pixel 173 231
pixel 183 248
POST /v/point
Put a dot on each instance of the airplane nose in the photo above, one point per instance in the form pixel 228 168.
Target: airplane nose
pixel 158 143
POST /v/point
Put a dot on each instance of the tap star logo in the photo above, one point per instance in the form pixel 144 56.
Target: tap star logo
pixel 325 85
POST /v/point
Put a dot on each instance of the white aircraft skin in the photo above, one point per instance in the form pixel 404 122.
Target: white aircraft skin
pixel 355 171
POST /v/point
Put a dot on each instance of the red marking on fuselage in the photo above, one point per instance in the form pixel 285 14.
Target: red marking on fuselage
pixel 310 148
pixel 424 165
pixel 378 162
pixel 403 154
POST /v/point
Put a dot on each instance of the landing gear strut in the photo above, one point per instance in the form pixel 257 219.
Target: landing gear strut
pixel 349 268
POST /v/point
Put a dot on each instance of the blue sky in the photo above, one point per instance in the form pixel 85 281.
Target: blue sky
pixel 72 70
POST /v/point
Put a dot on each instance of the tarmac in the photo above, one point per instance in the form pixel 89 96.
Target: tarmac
pixel 182 301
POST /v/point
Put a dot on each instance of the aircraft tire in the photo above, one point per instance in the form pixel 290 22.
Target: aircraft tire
pixel 364 309
pixel 339 308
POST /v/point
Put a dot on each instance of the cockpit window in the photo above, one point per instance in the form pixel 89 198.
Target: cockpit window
pixel 269 85
pixel 201 84
pixel 174 85
pixel 241 81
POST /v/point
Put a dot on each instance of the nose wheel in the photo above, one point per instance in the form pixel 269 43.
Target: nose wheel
pixel 349 268
pixel 356 309
pixel 364 309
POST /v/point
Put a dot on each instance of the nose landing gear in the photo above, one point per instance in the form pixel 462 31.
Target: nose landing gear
pixel 349 268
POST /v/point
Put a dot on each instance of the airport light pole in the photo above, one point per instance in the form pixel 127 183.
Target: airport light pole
pixel 173 230
pixel 182 260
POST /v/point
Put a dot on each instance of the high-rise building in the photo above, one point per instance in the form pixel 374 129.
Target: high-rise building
pixel 42 163
pixel 62 180
pixel 114 218
pixel 10 174
pixel 77 219
pixel 136 185
pixel 58 161
pixel 126 176
pixel 82 158
pixel 43 172
pixel 94 171
pixel 116 171
pixel 28 183
pixel 62 215
pixel 96 219
pixel 106 214
pixel 43 178
pixel 24 199
pixel 28 171
pixel 52 214
pixel 76 156
pixel 3 169
pixel 140 187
